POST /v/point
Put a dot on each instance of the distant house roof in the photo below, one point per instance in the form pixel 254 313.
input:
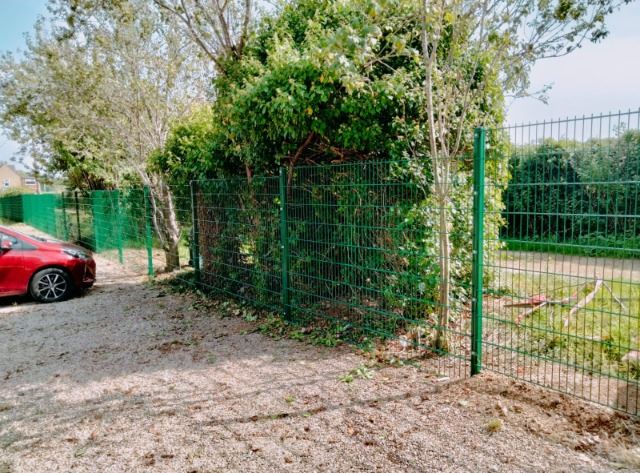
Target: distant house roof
pixel 10 168
pixel 19 172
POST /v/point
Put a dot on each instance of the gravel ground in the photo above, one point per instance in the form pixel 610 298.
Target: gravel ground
pixel 132 378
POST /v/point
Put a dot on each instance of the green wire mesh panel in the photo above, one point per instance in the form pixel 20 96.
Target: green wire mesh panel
pixel 132 224
pixel 78 206
pixel 239 240
pixel 563 309
pixel 11 208
pixel 43 212
pixel 363 256
pixel 107 225
pixel 351 248
pixel 124 225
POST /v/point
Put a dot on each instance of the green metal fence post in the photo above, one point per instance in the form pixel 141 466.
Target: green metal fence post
pixel 65 224
pixel 78 216
pixel 149 234
pixel 195 233
pixel 284 244
pixel 97 214
pixel 116 197
pixel 478 252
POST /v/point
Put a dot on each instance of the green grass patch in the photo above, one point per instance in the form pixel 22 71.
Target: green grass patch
pixel 596 245
pixel 594 338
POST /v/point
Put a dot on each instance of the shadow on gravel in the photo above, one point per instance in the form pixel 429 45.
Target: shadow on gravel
pixel 132 378
pixel 15 300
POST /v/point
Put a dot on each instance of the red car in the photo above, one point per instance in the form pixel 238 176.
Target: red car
pixel 49 270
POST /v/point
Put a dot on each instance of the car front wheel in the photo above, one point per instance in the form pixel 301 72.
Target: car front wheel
pixel 50 285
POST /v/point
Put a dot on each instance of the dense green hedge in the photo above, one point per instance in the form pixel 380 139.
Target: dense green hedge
pixel 362 240
pixel 577 198
pixel 322 88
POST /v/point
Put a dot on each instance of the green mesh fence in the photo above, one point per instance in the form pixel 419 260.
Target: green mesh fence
pixel 362 257
pixel 78 216
pixel 346 247
pixel 11 208
pixel 237 227
pixel 563 309
pixel 116 224
pixel 42 212
pixel 539 278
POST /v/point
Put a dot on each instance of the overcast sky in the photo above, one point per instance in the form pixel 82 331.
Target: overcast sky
pixel 597 78
pixel 16 18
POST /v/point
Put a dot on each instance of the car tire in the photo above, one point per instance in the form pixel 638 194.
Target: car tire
pixel 51 285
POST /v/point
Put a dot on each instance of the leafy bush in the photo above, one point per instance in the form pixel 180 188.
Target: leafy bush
pixel 321 84
pixel 579 198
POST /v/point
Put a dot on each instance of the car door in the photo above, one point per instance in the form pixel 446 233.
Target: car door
pixel 12 278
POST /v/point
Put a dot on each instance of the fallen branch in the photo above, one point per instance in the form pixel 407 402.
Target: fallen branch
pixel 564 301
pixel 527 313
pixel 583 303
pixel 533 301
pixel 538 302
pixel 615 298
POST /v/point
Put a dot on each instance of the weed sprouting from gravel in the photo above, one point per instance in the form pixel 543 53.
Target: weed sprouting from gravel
pixel 361 372
pixel 494 425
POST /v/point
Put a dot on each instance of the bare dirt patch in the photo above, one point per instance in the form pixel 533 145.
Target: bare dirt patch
pixel 133 378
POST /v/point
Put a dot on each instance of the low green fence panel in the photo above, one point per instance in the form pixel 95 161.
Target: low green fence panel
pixel 43 211
pixel 11 208
pixel 539 278
pixel 564 308
pixel 110 222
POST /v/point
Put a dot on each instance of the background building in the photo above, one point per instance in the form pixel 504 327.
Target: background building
pixel 12 179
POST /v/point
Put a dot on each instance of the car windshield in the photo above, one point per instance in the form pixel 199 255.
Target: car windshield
pixel 44 239
pixel 39 238
pixel 32 237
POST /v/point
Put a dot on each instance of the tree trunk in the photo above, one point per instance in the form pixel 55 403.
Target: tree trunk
pixel 172 255
pixel 165 220
pixel 444 256
pixel 170 228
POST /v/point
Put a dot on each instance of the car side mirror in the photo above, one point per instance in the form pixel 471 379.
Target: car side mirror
pixel 6 245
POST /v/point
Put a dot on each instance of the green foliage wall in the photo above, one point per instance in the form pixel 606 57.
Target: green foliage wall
pixel 569 193
pixel 322 81
pixel 331 82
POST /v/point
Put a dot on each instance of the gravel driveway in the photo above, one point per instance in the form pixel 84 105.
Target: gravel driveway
pixel 133 378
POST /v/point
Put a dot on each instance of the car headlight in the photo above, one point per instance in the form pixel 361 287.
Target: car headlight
pixel 76 253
